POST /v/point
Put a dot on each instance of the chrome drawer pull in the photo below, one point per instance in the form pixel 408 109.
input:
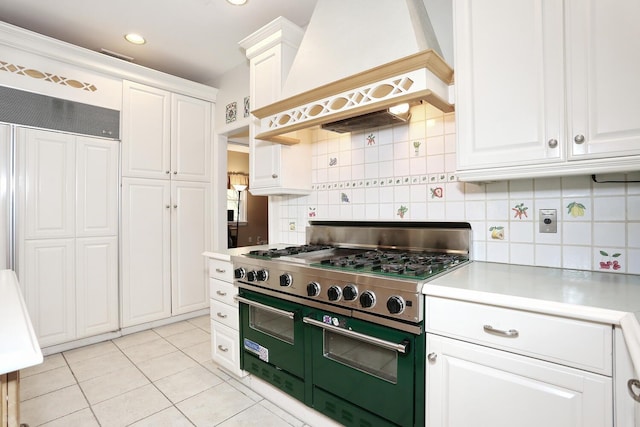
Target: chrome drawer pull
pixel 222 348
pixel 220 270
pixel 400 348
pixel 631 384
pixel 222 294
pixel 511 333
pixel 264 307
pixel 222 316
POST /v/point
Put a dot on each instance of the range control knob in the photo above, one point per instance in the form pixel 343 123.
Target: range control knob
pixel 251 276
pixel 395 304
pixel 334 293
pixel 350 292
pixel 313 289
pixel 239 273
pixel 286 279
pixel 367 299
pixel 262 275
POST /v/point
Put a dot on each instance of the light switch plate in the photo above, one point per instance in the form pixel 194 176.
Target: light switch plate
pixel 548 221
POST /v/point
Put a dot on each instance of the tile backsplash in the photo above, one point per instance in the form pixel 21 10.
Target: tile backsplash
pixel 407 173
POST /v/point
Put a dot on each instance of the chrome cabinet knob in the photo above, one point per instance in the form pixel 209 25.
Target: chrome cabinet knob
pixel 579 139
pixel 175 206
pixel 167 206
pixel 175 172
pixel 167 172
pixel 553 143
pixel 431 357
pixel 633 384
pixel 274 176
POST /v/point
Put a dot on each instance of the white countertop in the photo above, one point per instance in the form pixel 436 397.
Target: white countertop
pixel 226 254
pixel 19 346
pixel 587 295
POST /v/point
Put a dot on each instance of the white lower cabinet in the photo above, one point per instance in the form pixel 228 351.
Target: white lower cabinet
pixel 225 335
pixel 164 232
pixel 472 385
pixel 500 367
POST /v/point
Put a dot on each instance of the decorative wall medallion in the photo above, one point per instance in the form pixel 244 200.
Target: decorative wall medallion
pixel 437 192
pixel 344 198
pixel 575 209
pixel 608 263
pixel 416 147
pixel 312 212
pixel 247 107
pixel 371 139
pixel 231 112
pixel 292 226
pixel 47 77
pixel 333 161
pixel 497 232
pixel 520 209
pixel 402 210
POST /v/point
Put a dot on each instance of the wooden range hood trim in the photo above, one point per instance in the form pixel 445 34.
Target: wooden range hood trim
pixel 428 59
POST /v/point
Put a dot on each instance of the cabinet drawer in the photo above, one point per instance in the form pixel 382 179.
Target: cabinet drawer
pixel 225 348
pixel 225 314
pixel 222 270
pixel 576 343
pixel 222 291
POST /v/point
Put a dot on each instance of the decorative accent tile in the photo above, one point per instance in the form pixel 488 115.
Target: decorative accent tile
pixel 416 147
pixel 344 198
pixel 231 112
pixel 247 107
pixel 333 161
pixel 292 226
pixel 575 209
pixel 371 139
pixel 402 210
pixel 520 209
pixel 437 192
pixel 312 212
pixel 47 77
pixel 609 260
pixel 497 232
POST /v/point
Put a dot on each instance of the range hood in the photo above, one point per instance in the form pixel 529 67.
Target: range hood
pixel 358 58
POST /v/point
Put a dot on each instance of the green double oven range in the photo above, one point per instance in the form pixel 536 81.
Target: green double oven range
pixel 337 323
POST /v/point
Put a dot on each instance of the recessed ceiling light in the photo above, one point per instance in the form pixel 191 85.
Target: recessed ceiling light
pixel 237 2
pixel 135 38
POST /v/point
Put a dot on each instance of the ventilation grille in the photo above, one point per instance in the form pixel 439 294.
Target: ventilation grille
pixel 41 111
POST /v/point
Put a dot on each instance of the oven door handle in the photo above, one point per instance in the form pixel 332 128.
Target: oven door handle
pixel 264 307
pixel 400 348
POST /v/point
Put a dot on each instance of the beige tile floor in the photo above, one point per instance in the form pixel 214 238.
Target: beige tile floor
pixel 160 377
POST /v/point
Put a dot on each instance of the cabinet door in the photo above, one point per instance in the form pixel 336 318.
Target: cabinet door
pixel 46 184
pixel 96 285
pixel 48 281
pixel 146 137
pixel 145 254
pixel 472 385
pixel 189 239
pixel 603 86
pixel 190 138
pixel 509 82
pixel 5 197
pixel 97 187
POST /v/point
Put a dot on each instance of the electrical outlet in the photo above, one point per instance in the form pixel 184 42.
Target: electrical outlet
pixel 548 221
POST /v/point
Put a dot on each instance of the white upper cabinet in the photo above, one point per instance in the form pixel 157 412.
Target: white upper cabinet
pixel 274 168
pixel 190 138
pixel 146 137
pixel 603 69
pixel 164 135
pixel 546 88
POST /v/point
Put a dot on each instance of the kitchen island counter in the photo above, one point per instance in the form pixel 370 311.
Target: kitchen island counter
pixel 593 296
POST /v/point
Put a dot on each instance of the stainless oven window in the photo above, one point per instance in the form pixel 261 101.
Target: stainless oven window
pixel 272 324
pixel 365 357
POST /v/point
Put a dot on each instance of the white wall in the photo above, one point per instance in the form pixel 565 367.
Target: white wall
pixel 380 175
pixel 233 86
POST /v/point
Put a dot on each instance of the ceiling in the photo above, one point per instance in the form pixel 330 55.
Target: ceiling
pixel 193 39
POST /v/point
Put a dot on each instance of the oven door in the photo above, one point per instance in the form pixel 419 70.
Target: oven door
pixel 365 373
pixel 272 341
